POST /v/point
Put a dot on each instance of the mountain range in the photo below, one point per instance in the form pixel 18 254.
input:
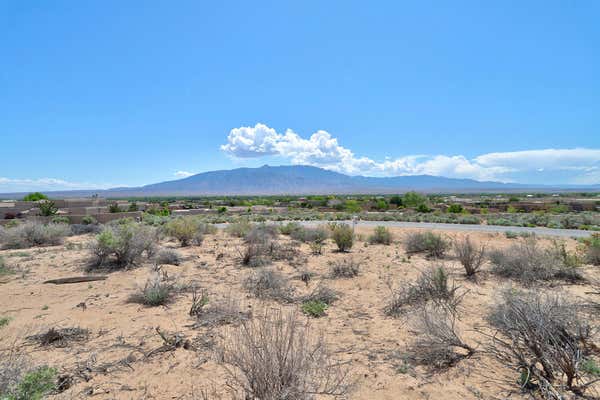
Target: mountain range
pixel 300 179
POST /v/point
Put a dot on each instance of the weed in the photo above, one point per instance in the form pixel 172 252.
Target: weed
pixel 381 235
pixel 314 308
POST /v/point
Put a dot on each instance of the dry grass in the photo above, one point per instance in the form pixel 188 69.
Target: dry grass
pixel 269 284
pixel 345 268
pixel 31 234
pixel 59 337
pixel 13 366
pixel 432 244
pixel 438 343
pixel 168 256
pixel 278 357
pixel 433 286
pixel 381 235
pixel 470 256
pixel 209 313
pixel 158 290
pixel 529 263
pixel 547 338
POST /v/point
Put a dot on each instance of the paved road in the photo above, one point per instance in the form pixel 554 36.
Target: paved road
pixel 540 231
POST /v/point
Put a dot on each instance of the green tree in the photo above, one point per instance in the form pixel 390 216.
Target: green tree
pixel 455 208
pixel 413 199
pixel 396 200
pixel 35 197
pixel 382 205
pixel 352 206
pixel 422 208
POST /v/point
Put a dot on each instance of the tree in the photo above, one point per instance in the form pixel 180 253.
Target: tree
pixel 114 207
pixel 455 208
pixel 396 200
pixel 382 205
pixel 35 196
pixel 352 206
pixel 413 199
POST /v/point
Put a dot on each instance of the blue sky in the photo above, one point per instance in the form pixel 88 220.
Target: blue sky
pixel 104 93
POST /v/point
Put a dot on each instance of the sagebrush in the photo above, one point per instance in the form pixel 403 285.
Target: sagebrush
pixel 276 357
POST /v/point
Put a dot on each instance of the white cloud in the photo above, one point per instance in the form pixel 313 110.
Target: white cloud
pixel 547 159
pixel 8 185
pixel 183 174
pixel 321 149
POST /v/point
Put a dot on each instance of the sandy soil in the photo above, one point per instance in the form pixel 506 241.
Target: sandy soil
pixel 112 362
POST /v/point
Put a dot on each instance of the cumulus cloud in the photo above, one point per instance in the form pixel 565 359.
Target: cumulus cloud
pixel 8 185
pixel 321 149
pixel 183 174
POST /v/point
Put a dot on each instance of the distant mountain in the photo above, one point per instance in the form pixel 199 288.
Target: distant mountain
pixel 300 179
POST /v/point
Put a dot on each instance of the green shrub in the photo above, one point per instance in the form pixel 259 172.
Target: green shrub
pixel 422 208
pixel 289 228
pixel 590 367
pixel 47 208
pixel 114 208
pixel 35 197
pixel 310 235
pixel 187 230
pixel 239 229
pixel 343 236
pixel 60 219
pixel 413 199
pixel 381 205
pixel 88 220
pixel 132 207
pixel 4 321
pixel 123 245
pixel 157 291
pixel 314 308
pixel 352 206
pixel 161 211
pixel 591 249
pixel 3 268
pixel 381 235
pixel 433 244
pixel 396 200
pixel 455 208
pixel 33 385
pixel 155 220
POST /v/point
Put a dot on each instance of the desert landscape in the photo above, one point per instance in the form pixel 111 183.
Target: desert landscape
pixel 299 200
pixel 195 312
